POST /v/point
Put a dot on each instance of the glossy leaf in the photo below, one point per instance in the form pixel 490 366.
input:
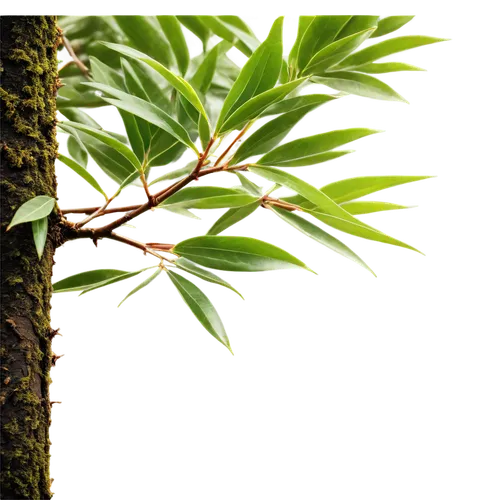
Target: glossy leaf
pixel 40 228
pixel 34 209
pixel 77 151
pixel 146 282
pixel 147 111
pixel 179 84
pixel 202 78
pixel 388 67
pixel 173 32
pixel 81 281
pixel 304 22
pixel 82 172
pixel 295 103
pixel 208 197
pixel 247 184
pixel 316 233
pixel 232 216
pixel 194 24
pixel 256 105
pixel 386 48
pixel 259 74
pixel 201 307
pixel 272 133
pixel 357 24
pixel 194 269
pixel 359 84
pixel 312 149
pixel 236 253
pixel 369 207
pixel 390 24
pixel 116 279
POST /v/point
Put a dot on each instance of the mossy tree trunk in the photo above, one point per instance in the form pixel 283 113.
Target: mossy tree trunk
pixel 28 89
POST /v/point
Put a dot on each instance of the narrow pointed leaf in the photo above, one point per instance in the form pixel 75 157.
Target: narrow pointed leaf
pixel 181 85
pixel 388 67
pixel 295 103
pixel 316 233
pixel 34 209
pixel 259 74
pixel 256 105
pixel 208 197
pixel 232 216
pixel 236 253
pixel 146 282
pixel 357 24
pixel 201 307
pixel 175 174
pixel 202 79
pixel 193 24
pixel 204 274
pixel 386 48
pixel 40 228
pixel 304 22
pixel 248 185
pixel 271 134
pixel 82 172
pixel 359 84
pixel 81 281
pixel 77 151
pixel 303 151
pixel 369 207
pixel 111 281
pixel 390 24
pixel 173 32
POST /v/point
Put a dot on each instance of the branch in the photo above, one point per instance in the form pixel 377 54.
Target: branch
pixel 91 210
pixel 75 58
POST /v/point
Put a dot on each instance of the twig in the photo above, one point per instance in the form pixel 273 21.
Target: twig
pixel 91 210
pixel 75 58
pixel 238 137
pixel 202 158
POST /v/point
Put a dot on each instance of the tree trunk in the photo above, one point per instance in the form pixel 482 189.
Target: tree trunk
pixel 28 87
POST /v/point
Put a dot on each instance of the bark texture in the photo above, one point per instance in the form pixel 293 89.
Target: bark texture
pixel 28 86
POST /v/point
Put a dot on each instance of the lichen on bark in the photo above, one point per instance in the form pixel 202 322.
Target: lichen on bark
pixel 28 86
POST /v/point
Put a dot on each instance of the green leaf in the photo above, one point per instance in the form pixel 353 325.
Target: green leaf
pixel 77 151
pixel 304 22
pixel 389 24
pixel 34 209
pixel 316 233
pixel 357 24
pixel 111 281
pixel 259 74
pixel 358 84
pixel 335 52
pixel 369 207
pixel 193 24
pixel 272 133
pixel 146 35
pixel 232 216
pixel 364 231
pixel 236 253
pixel 173 31
pixel 295 103
pixel 82 172
pixel 181 85
pixel 256 105
pixel 386 48
pixel 147 111
pixel 106 139
pixel 312 149
pixel 208 197
pixel 175 174
pixel 388 67
pixel 79 116
pixel 356 187
pixel 201 307
pixel 204 274
pixel 40 228
pixel 81 281
pixel 146 282
pixel 202 78
pixel 247 184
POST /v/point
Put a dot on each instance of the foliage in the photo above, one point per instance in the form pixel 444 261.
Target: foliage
pixel 172 103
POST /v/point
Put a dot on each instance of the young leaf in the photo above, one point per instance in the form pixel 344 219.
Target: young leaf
pixel 173 31
pixel 271 134
pixel 201 307
pixel 202 79
pixel 147 111
pixel 314 232
pixel 116 279
pixel 388 67
pixel 386 48
pixel 232 216
pixel 391 23
pixel 82 172
pixel 305 151
pixel 106 139
pixel 39 228
pixel 295 103
pixel 208 197
pixel 256 105
pixel 204 274
pixel 369 207
pixel 146 282
pixel 259 74
pixel 359 84
pixel 236 253
pixel 34 209
pixel 179 84
pixel 304 22
pixel 81 281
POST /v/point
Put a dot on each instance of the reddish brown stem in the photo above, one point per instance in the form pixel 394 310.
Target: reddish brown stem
pixel 75 58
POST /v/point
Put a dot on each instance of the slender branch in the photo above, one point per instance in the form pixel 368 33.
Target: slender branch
pixel 91 210
pixel 133 243
pixel 202 159
pixel 75 58
pixel 238 137
pixel 267 200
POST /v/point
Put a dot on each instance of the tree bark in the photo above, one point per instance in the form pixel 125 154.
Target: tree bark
pixel 28 86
